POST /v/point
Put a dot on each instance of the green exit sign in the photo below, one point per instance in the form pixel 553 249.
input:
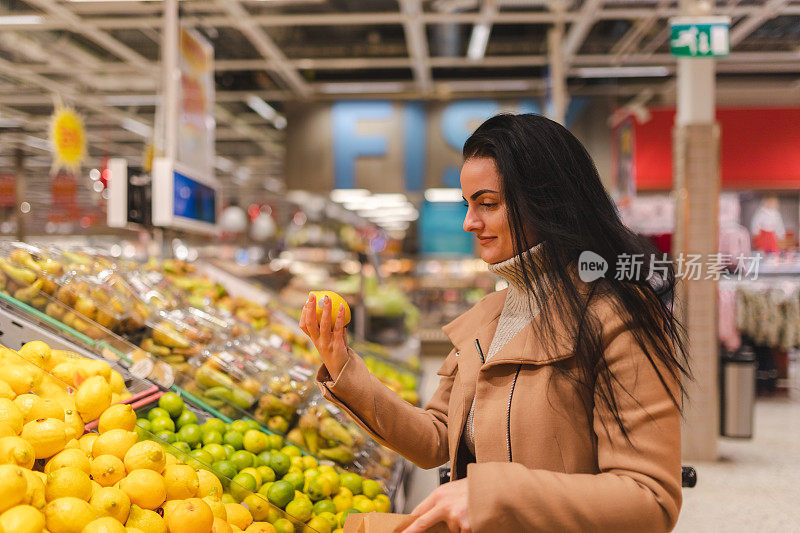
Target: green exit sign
pixel 699 36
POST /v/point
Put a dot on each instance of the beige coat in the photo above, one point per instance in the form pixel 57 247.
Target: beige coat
pixel 568 472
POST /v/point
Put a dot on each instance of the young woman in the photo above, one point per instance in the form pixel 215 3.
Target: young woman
pixel 559 405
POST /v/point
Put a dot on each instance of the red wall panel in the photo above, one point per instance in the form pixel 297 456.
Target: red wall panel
pixel 760 149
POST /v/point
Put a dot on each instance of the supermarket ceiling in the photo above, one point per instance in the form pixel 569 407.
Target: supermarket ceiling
pixel 103 57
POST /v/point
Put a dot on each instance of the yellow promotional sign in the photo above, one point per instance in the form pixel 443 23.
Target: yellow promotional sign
pixel 68 137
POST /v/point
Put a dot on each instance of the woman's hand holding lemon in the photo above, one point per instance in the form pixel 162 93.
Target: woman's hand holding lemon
pixel 328 337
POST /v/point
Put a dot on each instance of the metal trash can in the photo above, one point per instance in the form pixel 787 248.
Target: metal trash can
pixel 738 391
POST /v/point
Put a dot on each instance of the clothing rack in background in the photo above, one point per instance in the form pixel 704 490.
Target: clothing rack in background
pixel 764 314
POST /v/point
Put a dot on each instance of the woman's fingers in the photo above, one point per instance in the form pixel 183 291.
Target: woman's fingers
pixel 338 326
pixel 426 521
pixel 325 327
pixel 311 318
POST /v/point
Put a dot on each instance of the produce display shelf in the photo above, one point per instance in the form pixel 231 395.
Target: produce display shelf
pixel 21 323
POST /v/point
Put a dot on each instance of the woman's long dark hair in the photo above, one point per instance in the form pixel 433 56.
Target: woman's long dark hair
pixel 551 186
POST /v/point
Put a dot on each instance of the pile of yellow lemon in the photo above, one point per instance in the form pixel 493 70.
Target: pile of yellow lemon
pixel 104 482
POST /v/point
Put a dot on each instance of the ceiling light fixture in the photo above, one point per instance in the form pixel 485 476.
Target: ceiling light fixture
pixel 360 88
pixel 139 128
pixel 622 72
pixel 17 20
pixel 478 41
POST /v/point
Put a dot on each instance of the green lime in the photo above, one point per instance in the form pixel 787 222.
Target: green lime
pixel 157 412
pixel 255 441
pixel 253 424
pixel 211 437
pixel 162 423
pixel 186 417
pixel 280 463
pixel 330 518
pixel 283 525
pixel 234 438
pixel 143 423
pixel 300 508
pixel 214 424
pixel 267 474
pixel 190 434
pixel 318 488
pixel 320 524
pixel 352 482
pixel 253 472
pixel 264 457
pixel 166 436
pixel 224 469
pixel 203 456
pixel 371 488
pixel 216 451
pixel 365 505
pixel 296 479
pixel 229 450
pixel 257 505
pixel 273 514
pixel 182 446
pixel 141 433
pixel 324 506
pixel 345 513
pixel 240 426
pixel 242 459
pixel 280 493
pixel 297 462
pixel 333 477
pixel 292 451
pixel 242 485
pixel 275 442
pixel 171 403
pixel 264 490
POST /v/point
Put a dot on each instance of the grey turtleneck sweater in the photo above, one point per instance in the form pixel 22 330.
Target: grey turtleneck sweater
pixel 518 311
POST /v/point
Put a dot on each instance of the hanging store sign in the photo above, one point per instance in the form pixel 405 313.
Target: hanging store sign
pixel 195 118
pixel 68 138
pixel 700 36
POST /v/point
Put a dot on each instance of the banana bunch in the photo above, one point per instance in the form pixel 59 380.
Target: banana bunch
pixel 28 278
pixel 172 346
pixel 245 310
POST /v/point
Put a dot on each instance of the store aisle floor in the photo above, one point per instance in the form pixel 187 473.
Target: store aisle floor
pixel 754 487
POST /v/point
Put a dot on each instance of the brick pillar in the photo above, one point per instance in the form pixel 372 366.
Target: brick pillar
pixel 696 188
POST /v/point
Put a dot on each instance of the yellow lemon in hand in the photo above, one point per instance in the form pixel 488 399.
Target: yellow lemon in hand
pixel 336 301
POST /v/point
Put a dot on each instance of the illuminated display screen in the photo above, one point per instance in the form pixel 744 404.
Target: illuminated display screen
pixel 194 200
